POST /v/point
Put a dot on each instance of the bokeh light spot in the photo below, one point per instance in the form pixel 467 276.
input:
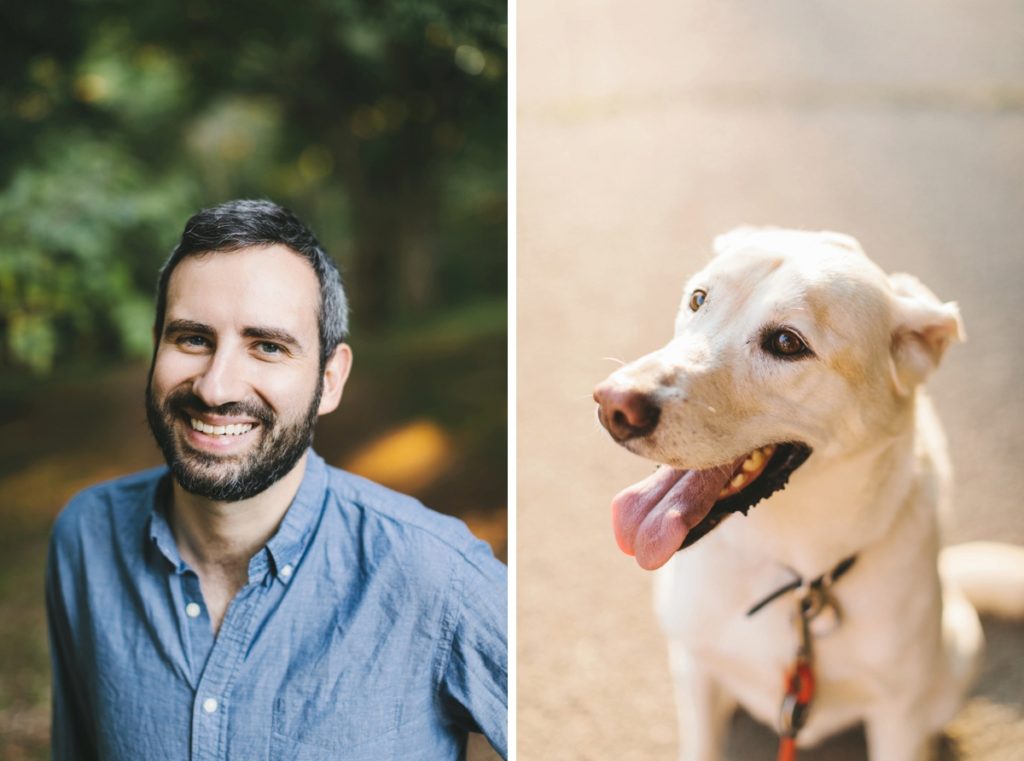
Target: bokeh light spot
pixel 408 458
pixel 92 88
pixel 33 107
pixel 315 163
pixel 368 122
pixel 469 59
pixel 437 35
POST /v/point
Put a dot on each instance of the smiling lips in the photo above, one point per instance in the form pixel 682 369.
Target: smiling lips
pixel 235 429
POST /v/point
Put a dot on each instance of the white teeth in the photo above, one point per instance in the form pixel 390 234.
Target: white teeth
pixel 754 461
pixel 235 429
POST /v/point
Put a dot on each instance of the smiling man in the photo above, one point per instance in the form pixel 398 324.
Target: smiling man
pixel 248 601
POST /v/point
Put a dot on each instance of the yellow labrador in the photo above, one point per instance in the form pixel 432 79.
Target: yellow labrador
pixel 797 446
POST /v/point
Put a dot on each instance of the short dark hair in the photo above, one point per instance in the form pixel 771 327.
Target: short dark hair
pixel 244 223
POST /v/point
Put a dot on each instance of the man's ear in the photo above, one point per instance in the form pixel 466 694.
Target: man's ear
pixel 923 327
pixel 335 374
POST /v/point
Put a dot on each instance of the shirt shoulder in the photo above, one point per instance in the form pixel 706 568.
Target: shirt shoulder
pixel 391 518
pixel 91 510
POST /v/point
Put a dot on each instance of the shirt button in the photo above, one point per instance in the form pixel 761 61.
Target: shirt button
pixel 193 610
pixel 210 705
pixel 286 571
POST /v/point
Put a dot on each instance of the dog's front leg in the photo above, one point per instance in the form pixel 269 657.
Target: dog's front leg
pixel 894 734
pixel 704 707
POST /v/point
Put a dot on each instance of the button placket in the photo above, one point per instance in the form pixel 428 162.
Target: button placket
pixel 199 633
pixel 210 712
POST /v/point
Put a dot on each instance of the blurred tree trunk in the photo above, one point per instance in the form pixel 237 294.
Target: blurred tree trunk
pixel 394 272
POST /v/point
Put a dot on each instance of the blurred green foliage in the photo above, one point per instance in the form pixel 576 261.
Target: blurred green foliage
pixel 382 124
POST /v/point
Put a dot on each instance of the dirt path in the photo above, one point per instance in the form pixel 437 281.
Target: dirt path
pixel 646 129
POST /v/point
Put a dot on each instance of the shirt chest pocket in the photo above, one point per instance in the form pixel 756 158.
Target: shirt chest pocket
pixel 358 728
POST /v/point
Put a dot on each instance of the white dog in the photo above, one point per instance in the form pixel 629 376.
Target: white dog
pixel 797 363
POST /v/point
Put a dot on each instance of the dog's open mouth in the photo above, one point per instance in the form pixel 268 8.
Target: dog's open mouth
pixel 671 509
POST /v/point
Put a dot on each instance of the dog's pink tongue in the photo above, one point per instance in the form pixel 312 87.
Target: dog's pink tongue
pixel 651 518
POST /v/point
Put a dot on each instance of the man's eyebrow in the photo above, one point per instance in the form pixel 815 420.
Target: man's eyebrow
pixel 273 334
pixel 187 326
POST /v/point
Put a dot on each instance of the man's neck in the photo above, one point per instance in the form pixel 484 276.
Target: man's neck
pixel 223 536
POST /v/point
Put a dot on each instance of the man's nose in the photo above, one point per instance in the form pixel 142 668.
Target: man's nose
pixel 626 413
pixel 222 380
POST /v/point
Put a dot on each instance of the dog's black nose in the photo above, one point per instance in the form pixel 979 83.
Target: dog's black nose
pixel 627 414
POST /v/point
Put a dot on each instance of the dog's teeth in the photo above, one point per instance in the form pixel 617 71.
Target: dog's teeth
pixel 724 493
pixel 769 450
pixel 754 461
pixel 738 480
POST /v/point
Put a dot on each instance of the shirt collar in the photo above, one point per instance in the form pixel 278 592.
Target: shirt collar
pixel 159 528
pixel 281 555
pixel 286 548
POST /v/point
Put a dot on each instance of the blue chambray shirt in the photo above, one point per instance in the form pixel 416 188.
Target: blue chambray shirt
pixel 371 628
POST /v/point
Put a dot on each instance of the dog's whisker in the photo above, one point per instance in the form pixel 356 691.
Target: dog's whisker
pixel 615 359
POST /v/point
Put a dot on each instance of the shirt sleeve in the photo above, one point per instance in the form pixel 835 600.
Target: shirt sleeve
pixel 475 681
pixel 71 739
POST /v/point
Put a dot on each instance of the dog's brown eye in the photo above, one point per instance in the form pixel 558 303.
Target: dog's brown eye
pixel 785 343
pixel 697 299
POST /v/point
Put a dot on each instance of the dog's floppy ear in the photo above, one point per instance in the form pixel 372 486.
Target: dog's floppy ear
pixel 923 328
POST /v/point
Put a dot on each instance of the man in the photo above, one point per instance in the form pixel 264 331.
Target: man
pixel 248 601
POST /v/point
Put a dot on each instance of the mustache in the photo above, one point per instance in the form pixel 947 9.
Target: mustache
pixel 184 400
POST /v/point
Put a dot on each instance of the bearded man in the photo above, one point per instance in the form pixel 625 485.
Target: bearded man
pixel 248 601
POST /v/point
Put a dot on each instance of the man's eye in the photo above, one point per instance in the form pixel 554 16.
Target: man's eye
pixel 269 348
pixel 193 342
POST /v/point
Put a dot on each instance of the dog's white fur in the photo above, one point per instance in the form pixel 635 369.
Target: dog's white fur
pixel 908 646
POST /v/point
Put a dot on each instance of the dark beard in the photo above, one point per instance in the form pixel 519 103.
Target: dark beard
pixel 229 479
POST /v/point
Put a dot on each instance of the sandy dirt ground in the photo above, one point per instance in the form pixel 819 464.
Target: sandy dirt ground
pixel 645 129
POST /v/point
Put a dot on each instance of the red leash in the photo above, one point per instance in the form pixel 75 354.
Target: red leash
pixel 799 684
pixel 796 704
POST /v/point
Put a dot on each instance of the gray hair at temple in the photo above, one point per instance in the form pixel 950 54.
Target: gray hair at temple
pixel 243 223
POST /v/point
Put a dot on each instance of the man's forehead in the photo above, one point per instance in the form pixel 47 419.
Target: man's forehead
pixel 252 284
pixel 250 257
